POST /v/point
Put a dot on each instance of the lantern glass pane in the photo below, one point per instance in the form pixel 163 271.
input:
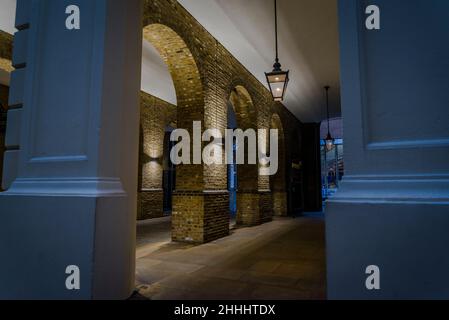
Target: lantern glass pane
pixel 278 81
pixel 272 78
pixel 277 89
pixel 329 145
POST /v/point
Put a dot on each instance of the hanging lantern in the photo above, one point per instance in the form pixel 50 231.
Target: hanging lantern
pixel 277 79
pixel 330 142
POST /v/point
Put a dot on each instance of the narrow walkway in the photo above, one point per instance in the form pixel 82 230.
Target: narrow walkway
pixel 284 259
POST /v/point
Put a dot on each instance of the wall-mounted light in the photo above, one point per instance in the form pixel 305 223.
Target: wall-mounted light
pixel 277 79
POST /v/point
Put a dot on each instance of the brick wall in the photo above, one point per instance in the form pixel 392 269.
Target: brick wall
pixel 278 183
pixel 293 147
pixel 5 51
pixel 155 116
pixel 206 77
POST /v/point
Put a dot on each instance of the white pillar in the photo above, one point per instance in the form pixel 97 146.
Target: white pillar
pixel 392 209
pixel 73 141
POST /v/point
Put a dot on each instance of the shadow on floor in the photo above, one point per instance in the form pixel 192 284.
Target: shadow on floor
pixel 283 259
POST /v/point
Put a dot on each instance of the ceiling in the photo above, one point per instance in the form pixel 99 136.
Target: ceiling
pixel 308 40
pixel 7 15
pixel 308 47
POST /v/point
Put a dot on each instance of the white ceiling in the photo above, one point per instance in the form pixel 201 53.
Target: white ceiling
pixel 156 79
pixel 308 39
pixel 7 15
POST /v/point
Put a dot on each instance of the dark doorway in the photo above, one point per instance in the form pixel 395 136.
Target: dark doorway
pixel 169 173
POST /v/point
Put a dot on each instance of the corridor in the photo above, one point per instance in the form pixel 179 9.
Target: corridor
pixel 284 259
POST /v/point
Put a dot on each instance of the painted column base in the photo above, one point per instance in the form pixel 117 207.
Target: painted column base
pixel 406 240
pixel 41 235
pixel 200 216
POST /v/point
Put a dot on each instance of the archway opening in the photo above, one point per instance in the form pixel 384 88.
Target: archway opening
pixel 161 182
pixel 332 161
pixel 242 114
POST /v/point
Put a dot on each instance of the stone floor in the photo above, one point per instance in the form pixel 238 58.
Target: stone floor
pixel 284 259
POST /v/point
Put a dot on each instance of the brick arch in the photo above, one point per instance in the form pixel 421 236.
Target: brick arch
pixel 257 102
pixel 198 215
pixel 204 187
pixel 244 108
pixel 246 116
pixel 188 85
pixel 181 64
pixel 278 184
pixel 248 212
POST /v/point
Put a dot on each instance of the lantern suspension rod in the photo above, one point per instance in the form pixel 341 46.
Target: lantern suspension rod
pixel 276 28
pixel 327 107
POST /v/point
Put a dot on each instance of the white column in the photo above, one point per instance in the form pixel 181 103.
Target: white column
pixel 392 209
pixel 73 141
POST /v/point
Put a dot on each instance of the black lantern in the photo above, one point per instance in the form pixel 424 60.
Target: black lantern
pixel 329 140
pixel 277 79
